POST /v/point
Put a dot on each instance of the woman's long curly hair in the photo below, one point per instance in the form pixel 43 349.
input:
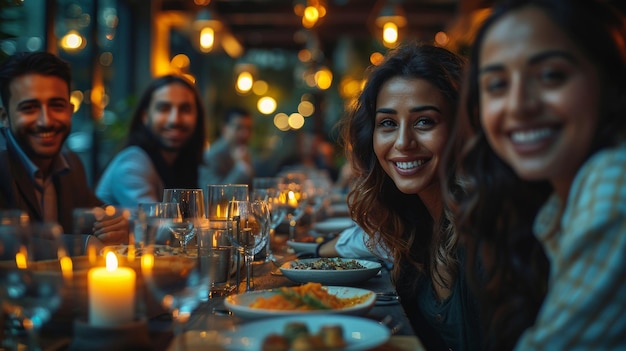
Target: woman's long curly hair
pixel 375 202
pixel 496 209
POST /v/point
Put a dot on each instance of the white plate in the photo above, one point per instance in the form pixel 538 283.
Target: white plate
pixel 359 333
pixel 240 304
pixel 302 247
pixel 331 277
pixel 333 225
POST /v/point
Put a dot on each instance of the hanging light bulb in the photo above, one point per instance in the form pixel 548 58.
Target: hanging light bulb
pixel 390 19
pixel 206 25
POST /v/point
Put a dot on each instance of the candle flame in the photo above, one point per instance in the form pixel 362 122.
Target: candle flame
pixel 147 262
pixel 67 267
pixel 111 261
pixel 20 259
pixel 292 199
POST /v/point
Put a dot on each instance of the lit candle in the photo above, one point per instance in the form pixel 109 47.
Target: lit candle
pixel 111 294
pixel 292 201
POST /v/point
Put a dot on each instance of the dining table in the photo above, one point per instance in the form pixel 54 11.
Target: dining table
pixel 212 318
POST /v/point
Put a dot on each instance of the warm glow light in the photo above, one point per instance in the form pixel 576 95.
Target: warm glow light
pixel 111 261
pixel 180 61
pixel 441 38
pixel 296 121
pixel 390 33
pixel 231 45
pixel 266 105
pixel 306 108
pixel 376 58
pixel 76 98
pixel 67 267
pixel 20 259
pixel 260 87
pixel 244 82
pixel 72 41
pixel 311 14
pixel 281 121
pixel 304 55
pixel 147 262
pixel 323 78
pixel 292 201
pixel 207 39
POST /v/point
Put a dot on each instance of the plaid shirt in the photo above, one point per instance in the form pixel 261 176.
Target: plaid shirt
pixel 585 307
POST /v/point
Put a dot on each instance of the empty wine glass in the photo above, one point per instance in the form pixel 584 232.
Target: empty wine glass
pixel 191 204
pixel 150 218
pixel 34 267
pixel 178 281
pixel 277 213
pixel 247 234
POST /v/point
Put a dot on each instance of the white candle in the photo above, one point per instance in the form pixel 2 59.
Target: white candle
pixel 111 294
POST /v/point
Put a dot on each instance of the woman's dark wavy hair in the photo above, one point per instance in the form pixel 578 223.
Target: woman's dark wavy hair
pixel 375 202
pixel 184 172
pixel 496 210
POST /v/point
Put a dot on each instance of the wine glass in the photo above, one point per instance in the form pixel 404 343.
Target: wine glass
pixel 293 199
pixel 150 217
pixel 180 282
pixel 191 203
pixel 277 213
pixel 247 234
pixel 34 268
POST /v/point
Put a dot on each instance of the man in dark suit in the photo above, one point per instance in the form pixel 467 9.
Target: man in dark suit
pixel 36 174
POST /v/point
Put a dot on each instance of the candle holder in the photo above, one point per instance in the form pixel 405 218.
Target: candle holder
pixel 129 336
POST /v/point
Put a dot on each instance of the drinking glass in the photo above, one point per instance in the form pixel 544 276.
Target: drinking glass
pixel 11 324
pixel 218 196
pixel 247 234
pixel 13 217
pixel 191 203
pixel 151 216
pixel 180 282
pixel 293 199
pixel 277 213
pixel 34 267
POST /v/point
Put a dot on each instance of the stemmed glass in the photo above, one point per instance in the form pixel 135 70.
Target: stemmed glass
pixel 11 217
pixel 34 268
pixel 293 199
pixel 248 233
pixel 277 213
pixel 151 216
pixel 179 281
pixel 191 204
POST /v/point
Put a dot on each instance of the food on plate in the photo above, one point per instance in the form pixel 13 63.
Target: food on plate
pixel 297 337
pixel 335 264
pixel 310 296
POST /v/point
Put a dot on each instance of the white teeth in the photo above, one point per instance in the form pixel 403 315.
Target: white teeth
pixel 407 165
pixel 46 134
pixel 529 136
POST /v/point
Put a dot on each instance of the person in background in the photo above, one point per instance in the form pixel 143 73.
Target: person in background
pixel 395 138
pixel 228 160
pixel 546 97
pixel 38 175
pixel 164 146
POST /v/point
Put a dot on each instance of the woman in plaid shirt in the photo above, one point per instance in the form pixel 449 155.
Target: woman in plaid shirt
pixel 546 97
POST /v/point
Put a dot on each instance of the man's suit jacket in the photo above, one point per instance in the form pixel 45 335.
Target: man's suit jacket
pixel 18 191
